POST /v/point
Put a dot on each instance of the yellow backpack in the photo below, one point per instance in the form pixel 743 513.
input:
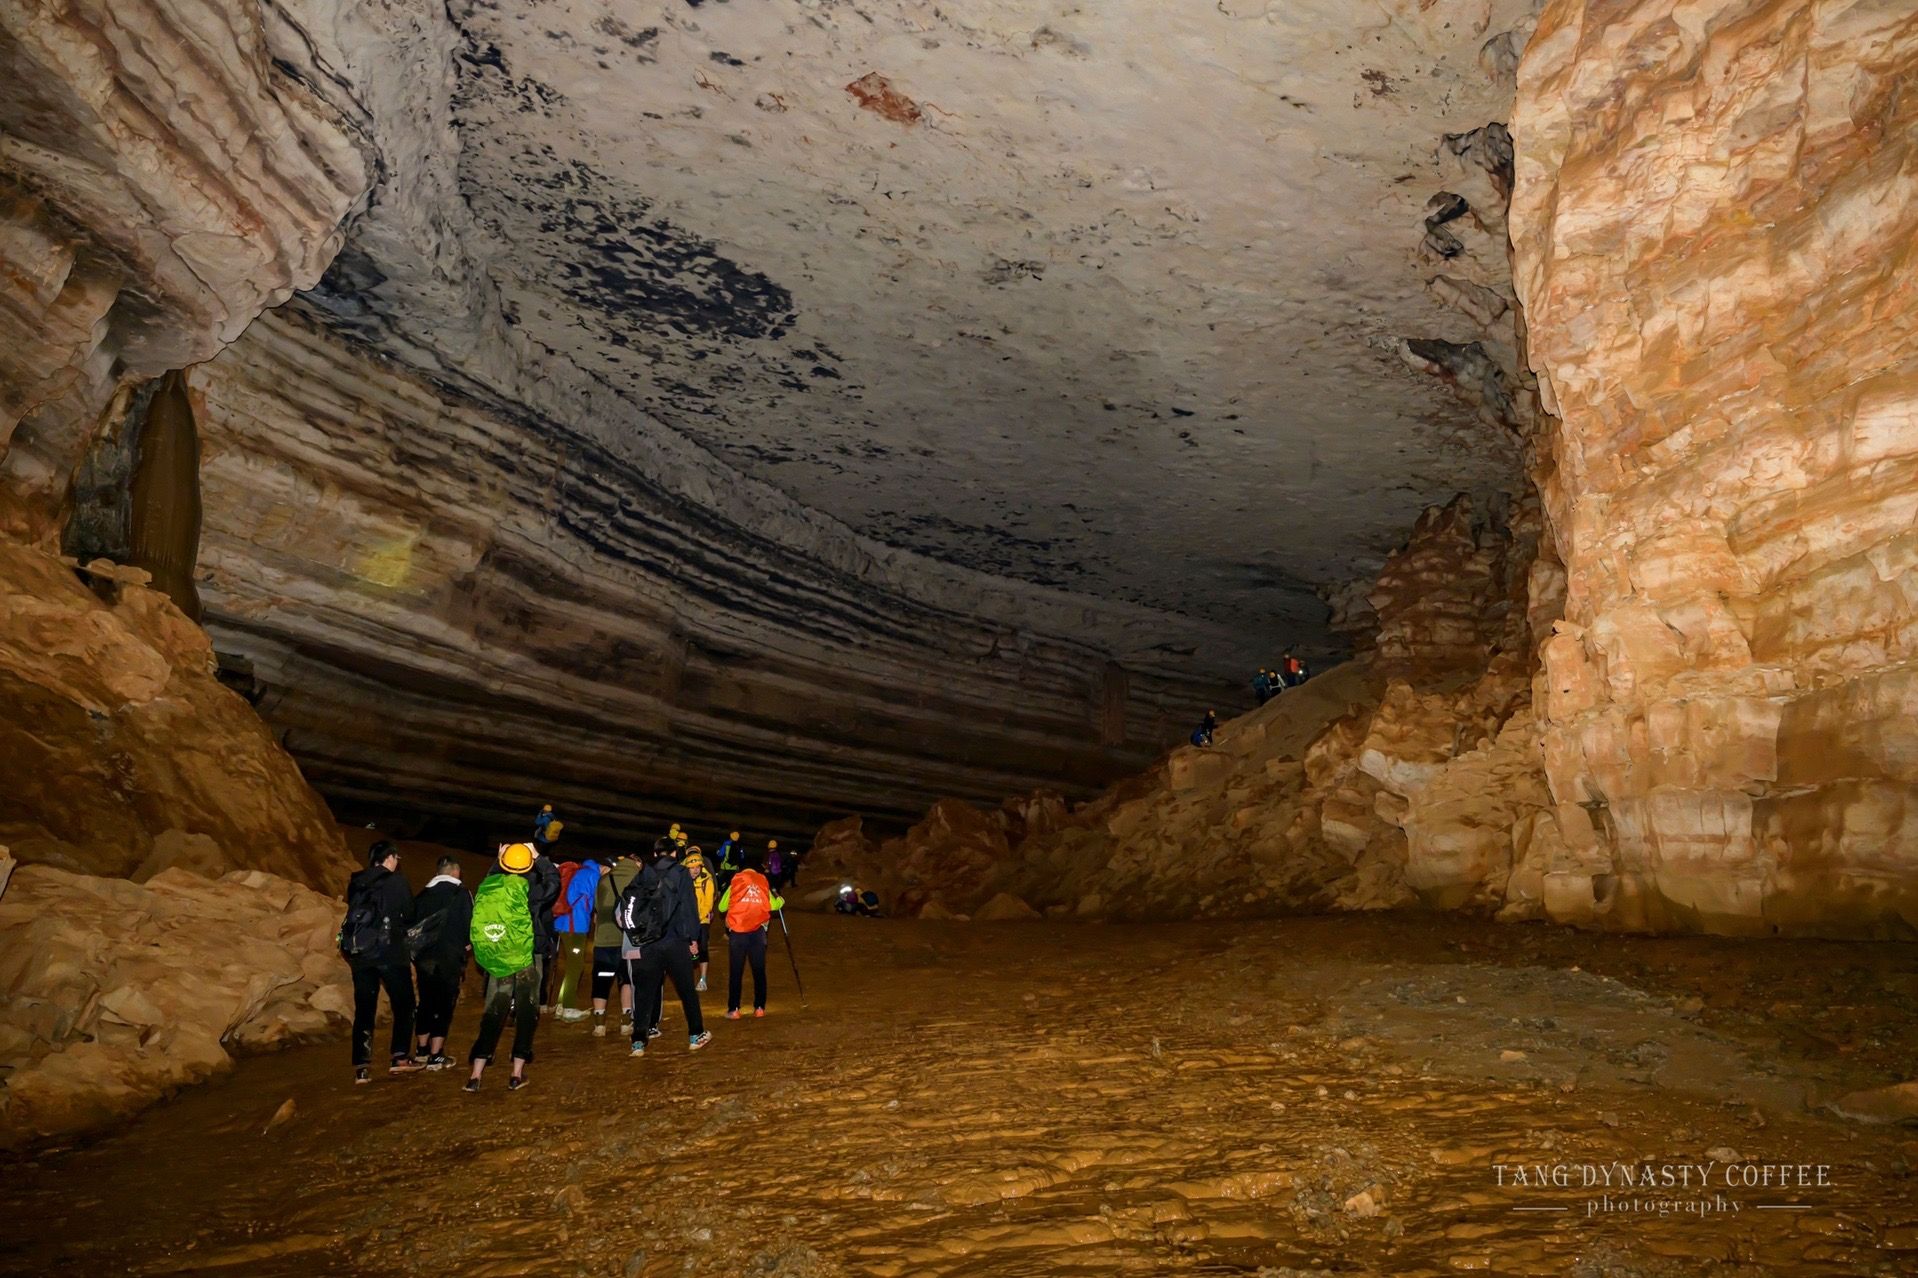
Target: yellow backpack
pixel 705 888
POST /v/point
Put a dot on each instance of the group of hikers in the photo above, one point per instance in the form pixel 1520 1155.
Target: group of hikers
pixel 1291 672
pixel 636 922
pixel 1266 685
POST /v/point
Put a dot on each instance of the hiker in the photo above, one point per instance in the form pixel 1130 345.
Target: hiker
pixel 379 908
pixel 853 901
pixel 660 917
pixel 574 925
pixel 704 890
pixel 729 850
pixel 775 863
pixel 444 910
pixel 546 828
pixel 1291 670
pixel 543 888
pixel 608 970
pixel 505 938
pixel 748 906
pixel 1262 685
pixel 1202 735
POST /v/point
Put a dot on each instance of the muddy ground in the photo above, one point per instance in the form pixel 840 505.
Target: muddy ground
pixel 1335 1095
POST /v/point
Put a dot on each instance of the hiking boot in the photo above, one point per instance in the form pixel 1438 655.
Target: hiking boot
pixel 652 1033
pixel 517 1083
pixel 361 1074
pixel 700 985
pixel 404 1065
pixel 438 1061
pixel 733 1015
pixel 699 1040
pixel 639 1049
pixel 759 1011
pixel 472 1087
pixel 599 1027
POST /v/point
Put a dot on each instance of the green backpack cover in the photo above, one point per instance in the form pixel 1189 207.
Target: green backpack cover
pixel 502 932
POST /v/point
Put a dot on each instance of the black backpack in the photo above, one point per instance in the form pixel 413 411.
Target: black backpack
pixel 424 936
pixel 643 909
pixel 363 934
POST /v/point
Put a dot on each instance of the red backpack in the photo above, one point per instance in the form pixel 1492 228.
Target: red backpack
pixel 751 903
pixel 567 869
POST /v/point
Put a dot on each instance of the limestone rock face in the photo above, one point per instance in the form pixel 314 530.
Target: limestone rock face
pixel 1715 225
pixel 138 237
pixel 122 753
pixel 114 994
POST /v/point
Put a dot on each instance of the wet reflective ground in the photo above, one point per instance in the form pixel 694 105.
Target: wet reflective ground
pixel 1360 1095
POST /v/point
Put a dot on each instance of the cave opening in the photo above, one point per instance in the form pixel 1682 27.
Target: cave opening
pixel 1296 620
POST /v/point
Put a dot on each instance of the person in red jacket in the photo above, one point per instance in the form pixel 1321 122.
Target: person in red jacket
pixel 748 905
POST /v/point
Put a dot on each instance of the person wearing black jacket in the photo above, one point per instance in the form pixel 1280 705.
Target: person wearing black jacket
pixel 383 887
pixel 444 909
pixel 672 956
pixel 542 892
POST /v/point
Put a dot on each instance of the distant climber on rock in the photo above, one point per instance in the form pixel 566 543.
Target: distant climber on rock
pixel 659 916
pixel 852 900
pixel 748 906
pixel 546 828
pixel 379 909
pixel 608 970
pixel 1291 670
pixel 505 938
pixel 444 917
pixel 1202 735
pixel 1262 685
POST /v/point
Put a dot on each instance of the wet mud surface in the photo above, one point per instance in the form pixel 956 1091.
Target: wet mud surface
pixel 1339 1096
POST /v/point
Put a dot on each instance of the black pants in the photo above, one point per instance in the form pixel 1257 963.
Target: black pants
pixel 398 980
pixel 519 994
pixel 741 947
pixel 439 995
pixel 650 971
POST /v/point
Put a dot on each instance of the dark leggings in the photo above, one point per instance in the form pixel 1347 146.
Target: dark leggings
pixel 398 980
pixel 439 994
pixel 742 946
pixel 518 993
pixel 650 970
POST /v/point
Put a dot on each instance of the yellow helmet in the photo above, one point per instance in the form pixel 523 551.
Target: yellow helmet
pixel 545 807
pixel 515 858
pixel 734 834
pixel 772 843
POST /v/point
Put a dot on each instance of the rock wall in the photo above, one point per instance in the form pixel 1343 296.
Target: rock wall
pixel 123 754
pixel 447 604
pixel 1408 776
pixel 137 236
pixel 114 994
pixel 1716 234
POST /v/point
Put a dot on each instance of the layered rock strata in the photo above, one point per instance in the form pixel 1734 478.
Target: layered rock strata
pixel 114 994
pixel 1716 232
pixel 448 607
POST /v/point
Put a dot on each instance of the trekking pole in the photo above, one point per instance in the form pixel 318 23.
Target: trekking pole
pixel 790 957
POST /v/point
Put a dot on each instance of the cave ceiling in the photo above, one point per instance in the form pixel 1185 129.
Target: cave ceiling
pixel 1104 297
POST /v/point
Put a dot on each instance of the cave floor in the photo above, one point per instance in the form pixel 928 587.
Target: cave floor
pixel 1333 1095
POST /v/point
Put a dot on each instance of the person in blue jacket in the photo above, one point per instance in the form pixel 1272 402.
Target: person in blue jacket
pixel 574 923
pixel 1202 735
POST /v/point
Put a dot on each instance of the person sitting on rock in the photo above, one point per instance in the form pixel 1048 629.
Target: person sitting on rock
pixel 379 908
pixel 852 900
pixel 1202 735
pixel 444 910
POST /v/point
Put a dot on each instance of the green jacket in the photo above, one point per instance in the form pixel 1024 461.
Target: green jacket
pixel 611 884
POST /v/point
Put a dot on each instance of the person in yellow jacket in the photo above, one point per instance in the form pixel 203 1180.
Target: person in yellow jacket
pixel 704 889
pixel 749 905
